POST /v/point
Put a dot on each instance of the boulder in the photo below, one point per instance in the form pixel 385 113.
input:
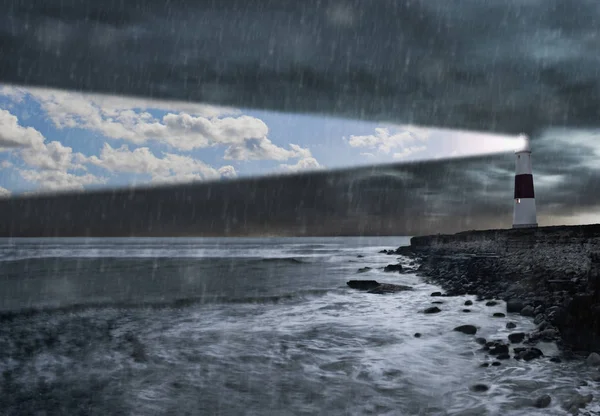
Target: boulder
pixel 527 311
pixel 466 329
pixel 514 306
pixel 393 268
pixel 468 303
pixel 363 284
pixel 388 288
pixel 542 402
pixel 593 360
pixel 433 309
pixel 511 325
pixel 516 337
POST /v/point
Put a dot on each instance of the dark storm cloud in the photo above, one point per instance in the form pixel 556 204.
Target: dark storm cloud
pixel 509 66
pixel 410 199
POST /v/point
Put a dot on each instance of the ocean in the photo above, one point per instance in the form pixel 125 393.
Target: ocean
pixel 249 326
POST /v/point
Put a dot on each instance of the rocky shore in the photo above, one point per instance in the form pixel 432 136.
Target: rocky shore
pixel 551 274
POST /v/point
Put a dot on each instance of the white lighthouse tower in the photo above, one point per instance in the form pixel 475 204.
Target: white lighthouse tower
pixel 524 215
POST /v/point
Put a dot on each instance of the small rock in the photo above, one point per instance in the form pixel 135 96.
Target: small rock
pixel 466 310
pixel 393 268
pixel 437 302
pixel 503 356
pixel 485 365
pixel 417 335
pixel 363 269
pixel 497 363
pixel 514 306
pixel 527 311
pixel 433 309
pixel 499 315
pixel 555 360
pixel 527 354
pixel 516 337
pixel 466 329
pixel 491 303
pixel 542 402
pixel 498 349
pixel 539 318
pixel 479 388
pixel 468 303
pixel 511 325
pixel 436 294
pixel 577 402
pixel 480 341
pixel 593 360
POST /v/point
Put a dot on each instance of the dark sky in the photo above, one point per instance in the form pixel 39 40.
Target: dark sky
pixel 417 198
pixel 510 66
pixel 505 66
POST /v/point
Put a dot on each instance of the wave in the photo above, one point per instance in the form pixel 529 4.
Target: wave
pixel 9 315
pixel 289 260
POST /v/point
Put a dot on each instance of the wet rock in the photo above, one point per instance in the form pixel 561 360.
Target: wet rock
pixel 491 303
pixel 466 329
pixel 433 309
pixel 542 402
pixel 527 311
pixel 466 310
pixel 480 341
pixel 363 270
pixel 363 284
pixel 593 360
pixel 373 286
pixel 539 318
pixel 498 348
pixel 485 365
pixel 436 294
pixel 437 302
pixel 528 354
pixel 393 268
pixel 499 315
pixel 556 360
pixel 417 335
pixel 514 306
pixel 503 356
pixel 468 303
pixel 511 325
pixel 550 334
pixel 516 337
pixel 388 288
pixel 497 363
pixel 577 402
pixel 479 388
pixel 360 256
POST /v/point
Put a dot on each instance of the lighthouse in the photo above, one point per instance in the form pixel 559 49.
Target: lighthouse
pixel 524 215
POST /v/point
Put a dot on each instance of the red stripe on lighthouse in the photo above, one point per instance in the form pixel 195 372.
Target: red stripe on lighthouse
pixel 524 186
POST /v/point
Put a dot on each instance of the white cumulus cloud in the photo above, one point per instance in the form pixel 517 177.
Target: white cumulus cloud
pixel 4 193
pixel 54 180
pixel 407 151
pixel 185 127
pixel 309 163
pixel 385 141
pixel 169 168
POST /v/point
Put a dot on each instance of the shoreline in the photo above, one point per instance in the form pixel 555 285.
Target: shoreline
pixel 550 274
